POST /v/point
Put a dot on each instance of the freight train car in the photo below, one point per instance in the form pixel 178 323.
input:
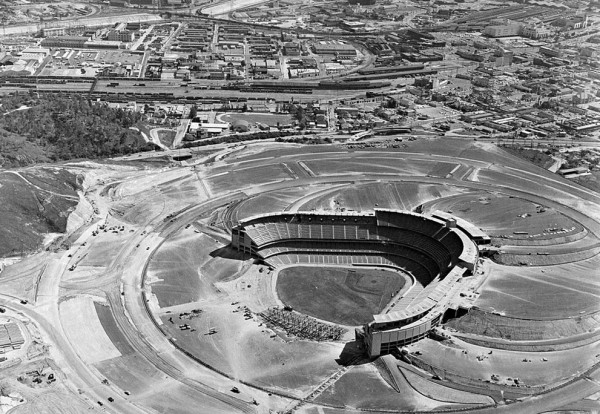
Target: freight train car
pixel 394 75
pixel 352 84
pixel 392 69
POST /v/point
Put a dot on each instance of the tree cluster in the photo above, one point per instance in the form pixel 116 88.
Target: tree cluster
pixel 299 115
pixel 68 127
pixel 307 140
pixel 581 158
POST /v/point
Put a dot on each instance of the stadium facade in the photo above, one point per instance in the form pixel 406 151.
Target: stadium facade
pixel 436 251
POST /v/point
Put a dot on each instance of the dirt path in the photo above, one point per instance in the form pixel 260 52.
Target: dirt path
pixel 40 188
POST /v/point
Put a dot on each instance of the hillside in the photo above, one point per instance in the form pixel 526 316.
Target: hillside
pixel 35 130
pixel 57 128
pixel 539 158
pixel 16 151
pixel 33 203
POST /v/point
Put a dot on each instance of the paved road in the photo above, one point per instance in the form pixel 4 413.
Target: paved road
pixel 184 124
pixel 155 139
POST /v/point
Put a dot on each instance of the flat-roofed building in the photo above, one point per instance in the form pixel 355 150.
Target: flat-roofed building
pixel 121 36
pixel 353 26
pixel 334 49
pixel 504 30
pixel 53 31
pixel 35 53
pixel 104 44
pixel 291 49
pixel 72 42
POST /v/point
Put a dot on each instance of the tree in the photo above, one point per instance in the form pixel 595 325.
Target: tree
pixel 391 103
pixel 300 114
pixel 193 112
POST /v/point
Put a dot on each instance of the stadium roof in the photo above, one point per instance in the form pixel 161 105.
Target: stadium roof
pixel 310 213
pixel 469 251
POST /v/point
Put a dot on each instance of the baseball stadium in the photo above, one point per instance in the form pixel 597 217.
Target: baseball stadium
pixel 434 252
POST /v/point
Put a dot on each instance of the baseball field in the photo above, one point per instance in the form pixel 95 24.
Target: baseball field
pixel 341 295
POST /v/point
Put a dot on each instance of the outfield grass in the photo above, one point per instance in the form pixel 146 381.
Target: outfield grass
pixel 348 296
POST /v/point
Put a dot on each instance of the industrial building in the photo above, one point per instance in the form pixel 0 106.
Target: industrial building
pixel 121 36
pixel 53 31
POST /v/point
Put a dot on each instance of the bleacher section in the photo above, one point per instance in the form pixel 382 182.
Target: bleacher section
pixel 428 241
pixel 420 271
pixel 409 221
pixel 413 260
pixel 452 243
pixel 432 250
pixel 268 236
pixel 265 233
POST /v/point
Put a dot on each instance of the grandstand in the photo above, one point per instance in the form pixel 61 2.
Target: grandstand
pixel 433 250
